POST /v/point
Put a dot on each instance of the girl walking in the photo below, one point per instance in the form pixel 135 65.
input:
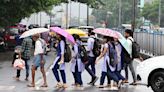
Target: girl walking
pixel 59 64
pixel 77 66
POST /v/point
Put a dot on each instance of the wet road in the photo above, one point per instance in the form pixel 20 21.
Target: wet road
pixel 8 84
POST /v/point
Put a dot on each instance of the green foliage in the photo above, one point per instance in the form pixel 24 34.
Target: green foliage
pixel 151 12
pixel 12 11
pixel 113 6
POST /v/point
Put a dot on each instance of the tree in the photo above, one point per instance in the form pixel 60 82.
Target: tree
pixel 101 14
pixel 151 12
pixel 12 11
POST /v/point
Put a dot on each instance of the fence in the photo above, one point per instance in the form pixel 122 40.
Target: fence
pixel 150 42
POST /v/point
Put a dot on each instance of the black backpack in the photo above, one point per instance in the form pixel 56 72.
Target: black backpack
pixel 96 48
pixel 83 53
pixel 112 55
pixel 135 49
pixel 67 54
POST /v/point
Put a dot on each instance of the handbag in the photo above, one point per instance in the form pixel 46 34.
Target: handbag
pixel 19 64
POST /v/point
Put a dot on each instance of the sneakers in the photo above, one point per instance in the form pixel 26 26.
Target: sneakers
pixel 93 81
pixel 133 83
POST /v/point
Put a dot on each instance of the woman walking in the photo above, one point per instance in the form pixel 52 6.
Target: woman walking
pixel 77 66
pixel 59 64
pixel 107 69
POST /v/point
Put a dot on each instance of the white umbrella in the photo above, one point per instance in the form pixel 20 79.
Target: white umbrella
pixel 33 32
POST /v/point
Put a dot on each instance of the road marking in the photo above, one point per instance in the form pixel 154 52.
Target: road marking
pixel 7 87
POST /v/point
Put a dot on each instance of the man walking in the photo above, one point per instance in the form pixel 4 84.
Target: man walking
pixel 39 60
pixel 128 58
pixel 26 53
pixel 91 58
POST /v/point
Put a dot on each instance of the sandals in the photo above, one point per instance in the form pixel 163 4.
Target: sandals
pixel 30 85
pixel 44 85
pixel 58 85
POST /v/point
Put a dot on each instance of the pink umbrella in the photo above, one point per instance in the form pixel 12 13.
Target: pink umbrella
pixel 106 32
pixel 63 33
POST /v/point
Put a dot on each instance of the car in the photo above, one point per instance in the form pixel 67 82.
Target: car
pixel 151 73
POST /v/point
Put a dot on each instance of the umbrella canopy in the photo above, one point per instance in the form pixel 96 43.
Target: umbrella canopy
pixel 76 31
pixel 62 32
pixel 33 32
pixel 124 42
pixel 106 32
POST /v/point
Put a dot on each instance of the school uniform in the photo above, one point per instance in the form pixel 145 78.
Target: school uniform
pixel 77 66
pixel 107 69
pixel 91 58
pixel 119 65
pixel 60 51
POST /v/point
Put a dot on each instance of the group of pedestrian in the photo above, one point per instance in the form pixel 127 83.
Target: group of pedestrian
pixel 112 55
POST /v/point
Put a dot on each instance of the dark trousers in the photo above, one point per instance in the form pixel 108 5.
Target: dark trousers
pixel 91 62
pixel 102 79
pixel 130 65
pixel 118 73
pixel 56 73
pixel 77 75
pixel 27 69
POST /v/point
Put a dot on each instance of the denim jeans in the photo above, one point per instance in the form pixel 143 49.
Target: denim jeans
pixel 91 62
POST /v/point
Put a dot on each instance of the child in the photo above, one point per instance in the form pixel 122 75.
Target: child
pixel 17 55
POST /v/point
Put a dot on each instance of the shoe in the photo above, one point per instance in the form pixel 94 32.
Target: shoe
pixel 78 85
pixel 108 85
pixel 119 84
pixel 125 81
pixel 16 78
pixel 44 85
pixel 65 86
pixel 31 85
pixel 101 86
pixel 74 84
pixel 26 79
pixel 58 85
pixel 133 83
pixel 94 81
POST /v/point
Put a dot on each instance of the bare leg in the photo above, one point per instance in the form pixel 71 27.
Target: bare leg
pixel 33 77
pixel 44 76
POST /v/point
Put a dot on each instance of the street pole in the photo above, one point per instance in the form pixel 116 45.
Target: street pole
pixel 134 15
pixel 159 18
pixel 66 15
pixel 40 19
pixel 87 15
pixel 70 12
pixel 79 15
pixel 120 13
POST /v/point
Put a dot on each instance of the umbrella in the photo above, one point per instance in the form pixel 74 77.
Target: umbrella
pixel 124 42
pixel 76 31
pixel 63 33
pixel 33 32
pixel 106 32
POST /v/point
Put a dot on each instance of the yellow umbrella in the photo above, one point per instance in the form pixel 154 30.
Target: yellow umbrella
pixel 76 31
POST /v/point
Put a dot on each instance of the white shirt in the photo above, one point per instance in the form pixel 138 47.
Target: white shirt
pixel 38 47
pixel 90 44
pixel 62 47
pixel 129 41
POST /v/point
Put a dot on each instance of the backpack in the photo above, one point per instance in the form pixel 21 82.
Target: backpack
pixel 135 49
pixel 44 46
pixel 67 54
pixel 112 55
pixel 96 48
pixel 125 56
pixel 83 53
